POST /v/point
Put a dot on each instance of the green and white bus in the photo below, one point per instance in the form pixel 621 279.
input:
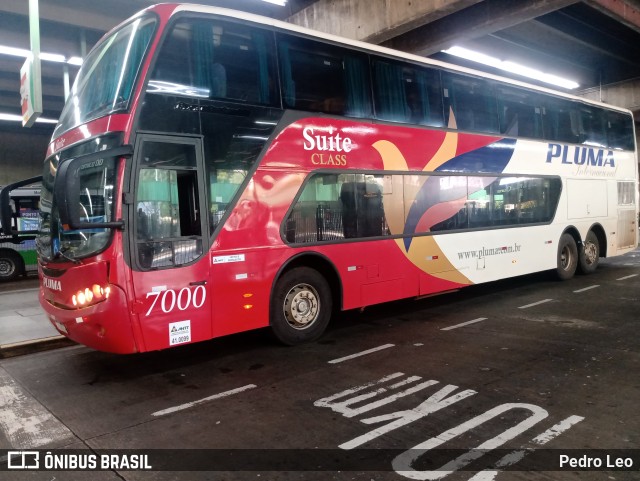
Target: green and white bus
pixel 18 252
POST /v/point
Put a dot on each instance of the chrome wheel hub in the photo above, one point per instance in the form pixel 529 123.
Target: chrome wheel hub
pixel 301 306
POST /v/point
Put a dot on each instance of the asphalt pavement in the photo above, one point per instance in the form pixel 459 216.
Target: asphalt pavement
pixel 24 326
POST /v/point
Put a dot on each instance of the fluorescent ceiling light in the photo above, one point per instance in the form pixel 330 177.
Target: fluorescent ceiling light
pixel 511 67
pixel 282 3
pixel 16 52
pixel 50 57
pixel 18 118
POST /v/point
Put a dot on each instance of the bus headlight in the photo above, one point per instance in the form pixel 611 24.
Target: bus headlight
pixel 91 295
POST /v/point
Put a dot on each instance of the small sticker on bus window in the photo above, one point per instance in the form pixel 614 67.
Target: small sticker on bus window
pixel 179 332
pixel 158 288
pixel 228 259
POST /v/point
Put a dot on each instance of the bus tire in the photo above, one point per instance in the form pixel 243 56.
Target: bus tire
pixel 11 265
pixel 589 257
pixel 567 257
pixel 301 306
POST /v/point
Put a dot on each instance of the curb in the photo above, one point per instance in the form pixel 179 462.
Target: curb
pixel 36 345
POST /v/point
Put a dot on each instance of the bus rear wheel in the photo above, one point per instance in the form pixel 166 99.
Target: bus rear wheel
pixel 301 306
pixel 589 254
pixel 567 257
pixel 11 265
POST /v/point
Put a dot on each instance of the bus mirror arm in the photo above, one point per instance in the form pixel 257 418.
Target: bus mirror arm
pixel 67 189
pixel 6 213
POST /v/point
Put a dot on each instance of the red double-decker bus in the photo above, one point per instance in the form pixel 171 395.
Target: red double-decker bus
pixel 214 172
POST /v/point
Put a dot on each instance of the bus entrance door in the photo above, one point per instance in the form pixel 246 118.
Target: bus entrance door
pixel 172 270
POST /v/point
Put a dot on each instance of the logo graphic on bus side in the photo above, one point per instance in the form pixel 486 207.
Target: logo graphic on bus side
pixel 336 147
pixel 573 154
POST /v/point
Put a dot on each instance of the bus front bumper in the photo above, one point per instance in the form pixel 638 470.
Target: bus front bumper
pixel 105 326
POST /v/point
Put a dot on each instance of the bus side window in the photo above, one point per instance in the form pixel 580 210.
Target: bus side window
pixel 520 112
pixel 317 214
pixel 406 93
pixel 362 210
pixel 592 126
pixel 320 77
pixel 619 131
pixel 472 101
pixel 560 121
pixel 390 94
pixel 338 206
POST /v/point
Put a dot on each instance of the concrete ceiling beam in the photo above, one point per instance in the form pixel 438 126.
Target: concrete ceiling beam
pixel 624 11
pixel 476 21
pixel 374 21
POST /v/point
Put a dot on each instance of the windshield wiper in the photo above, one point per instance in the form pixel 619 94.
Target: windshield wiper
pixel 61 253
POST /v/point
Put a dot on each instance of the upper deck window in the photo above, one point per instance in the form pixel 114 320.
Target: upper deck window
pixel 472 101
pixel 321 77
pixel 407 93
pixel 105 81
pixel 216 60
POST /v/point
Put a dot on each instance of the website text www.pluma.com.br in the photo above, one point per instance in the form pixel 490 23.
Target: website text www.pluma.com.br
pixel 489 251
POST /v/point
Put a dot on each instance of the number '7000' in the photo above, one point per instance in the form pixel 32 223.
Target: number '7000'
pixel 168 300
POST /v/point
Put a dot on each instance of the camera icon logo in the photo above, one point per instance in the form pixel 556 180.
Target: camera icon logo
pixel 23 460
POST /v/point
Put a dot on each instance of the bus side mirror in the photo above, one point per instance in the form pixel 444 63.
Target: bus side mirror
pixel 6 213
pixel 67 189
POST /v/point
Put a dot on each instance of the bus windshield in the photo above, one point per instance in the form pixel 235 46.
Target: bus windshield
pixel 96 185
pixel 105 81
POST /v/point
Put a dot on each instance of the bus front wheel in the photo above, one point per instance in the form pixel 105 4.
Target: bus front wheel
pixel 301 306
pixel 11 265
pixel 567 257
pixel 589 254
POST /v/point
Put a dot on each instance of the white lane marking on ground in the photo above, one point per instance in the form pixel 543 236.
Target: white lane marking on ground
pixel 587 288
pixel 480 319
pixel 535 304
pixel 517 455
pixel 626 277
pixel 363 353
pixel 25 422
pixel 557 429
pixel 204 400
